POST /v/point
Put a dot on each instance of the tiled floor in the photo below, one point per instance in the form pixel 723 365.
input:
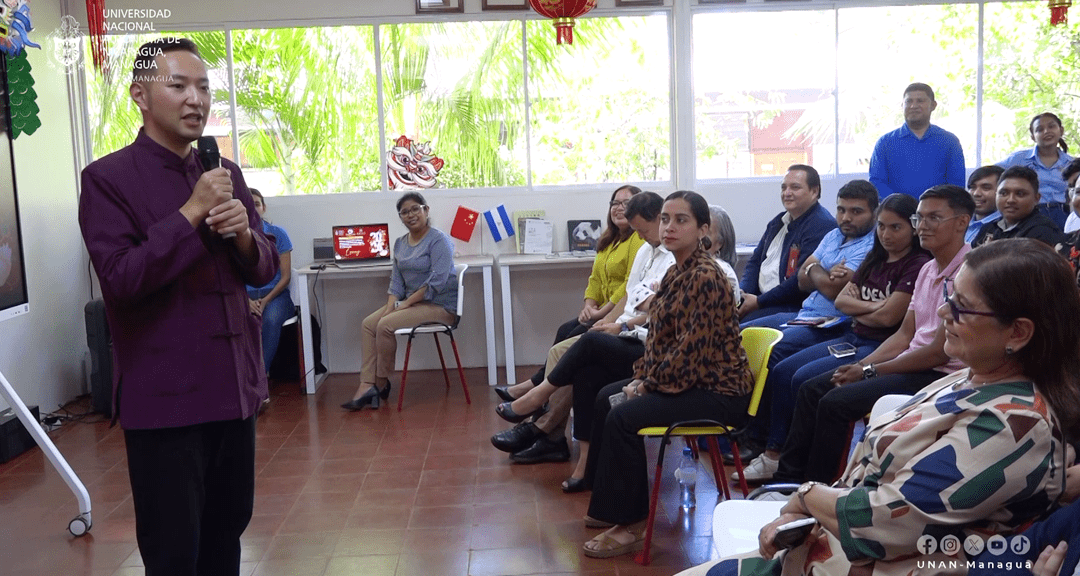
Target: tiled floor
pixel 373 493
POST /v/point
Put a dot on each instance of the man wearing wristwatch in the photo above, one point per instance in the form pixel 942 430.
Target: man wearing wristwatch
pixel 907 361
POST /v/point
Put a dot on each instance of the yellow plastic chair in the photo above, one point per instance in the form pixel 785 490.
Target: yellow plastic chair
pixel 758 343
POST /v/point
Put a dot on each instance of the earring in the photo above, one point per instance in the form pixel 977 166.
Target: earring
pixel 1009 350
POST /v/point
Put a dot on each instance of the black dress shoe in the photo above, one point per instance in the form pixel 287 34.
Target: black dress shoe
pixel 504 393
pixel 517 438
pixel 543 450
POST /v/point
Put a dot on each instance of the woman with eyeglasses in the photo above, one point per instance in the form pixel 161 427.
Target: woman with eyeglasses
pixel 979 452
pixel 615 253
pixel 423 288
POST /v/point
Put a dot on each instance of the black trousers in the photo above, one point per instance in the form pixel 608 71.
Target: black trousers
pixel 593 362
pixel 567 330
pixel 617 468
pixel 194 489
pixel 816 442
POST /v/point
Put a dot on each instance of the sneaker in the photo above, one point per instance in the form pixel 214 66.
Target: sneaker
pixel 773 497
pixel 761 469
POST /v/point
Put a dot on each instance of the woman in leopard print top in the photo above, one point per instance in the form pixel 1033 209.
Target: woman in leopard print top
pixel 694 367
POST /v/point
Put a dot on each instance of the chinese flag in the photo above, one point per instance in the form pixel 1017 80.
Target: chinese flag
pixel 464 222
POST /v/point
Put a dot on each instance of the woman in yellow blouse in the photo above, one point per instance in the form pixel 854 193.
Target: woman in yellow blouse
pixel 615 253
pixel 694 367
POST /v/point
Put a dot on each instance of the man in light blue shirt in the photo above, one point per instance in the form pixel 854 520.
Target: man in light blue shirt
pixel 982 185
pixel 916 156
pixel 835 260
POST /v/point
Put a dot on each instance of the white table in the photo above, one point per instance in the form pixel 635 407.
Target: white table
pixel 520 263
pixel 307 280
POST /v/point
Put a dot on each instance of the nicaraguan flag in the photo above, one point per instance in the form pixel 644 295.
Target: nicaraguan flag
pixel 499 223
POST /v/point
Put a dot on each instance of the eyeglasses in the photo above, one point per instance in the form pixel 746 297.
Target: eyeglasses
pixel 932 221
pixel 619 203
pixel 410 211
pixel 956 310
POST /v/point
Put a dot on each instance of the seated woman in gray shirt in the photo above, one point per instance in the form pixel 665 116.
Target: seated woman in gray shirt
pixel 423 288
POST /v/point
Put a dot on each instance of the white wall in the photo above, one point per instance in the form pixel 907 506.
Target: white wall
pixel 542 300
pixel 41 352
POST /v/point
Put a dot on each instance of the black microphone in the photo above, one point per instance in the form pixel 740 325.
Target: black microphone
pixel 211 158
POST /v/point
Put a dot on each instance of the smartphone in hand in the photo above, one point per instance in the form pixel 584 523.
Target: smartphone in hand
pixel 793 533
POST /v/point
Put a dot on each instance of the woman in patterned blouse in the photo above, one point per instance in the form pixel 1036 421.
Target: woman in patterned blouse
pixel 981 452
pixel 694 367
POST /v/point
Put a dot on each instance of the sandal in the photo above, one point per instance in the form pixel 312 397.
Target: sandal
pixel 610 547
pixel 573 485
pixel 591 522
pixel 507 413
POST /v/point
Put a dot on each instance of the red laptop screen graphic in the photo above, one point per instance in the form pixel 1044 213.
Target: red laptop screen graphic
pixel 361 243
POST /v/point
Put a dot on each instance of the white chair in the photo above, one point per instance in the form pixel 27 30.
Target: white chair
pixel 436 328
pixel 737 523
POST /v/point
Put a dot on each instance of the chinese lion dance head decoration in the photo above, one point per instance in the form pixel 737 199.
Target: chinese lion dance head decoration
pixel 14 26
pixel 411 165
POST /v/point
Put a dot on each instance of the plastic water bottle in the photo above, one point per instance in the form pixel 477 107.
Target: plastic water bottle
pixel 686 474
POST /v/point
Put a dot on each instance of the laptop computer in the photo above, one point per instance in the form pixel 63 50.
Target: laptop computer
pixel 357 245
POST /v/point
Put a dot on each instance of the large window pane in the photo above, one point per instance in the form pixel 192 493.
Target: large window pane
pixel 763 84
pixel 882 50
pixel 459 86
pixel 308 117
pixel 113 117
pixel 1030 68
pixel 600 108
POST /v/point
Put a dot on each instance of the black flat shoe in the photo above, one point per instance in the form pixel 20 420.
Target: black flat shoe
pixel 574 485
pixel 371 397
pixel 507 413
pixel 504 393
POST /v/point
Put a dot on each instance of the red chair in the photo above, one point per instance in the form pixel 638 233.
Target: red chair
pixel 436 328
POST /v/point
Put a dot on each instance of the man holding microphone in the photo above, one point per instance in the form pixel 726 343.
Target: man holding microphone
pixel 188 379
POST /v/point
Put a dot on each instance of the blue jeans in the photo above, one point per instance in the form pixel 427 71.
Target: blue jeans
pixel 1064 524
pixel 789 374
pixel 275 314
pixel 763 312
pixel 796 338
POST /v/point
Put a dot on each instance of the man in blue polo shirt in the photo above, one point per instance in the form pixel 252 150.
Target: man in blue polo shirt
pixel 918 155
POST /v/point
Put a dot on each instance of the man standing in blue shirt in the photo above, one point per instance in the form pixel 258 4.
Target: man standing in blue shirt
pixel 918 155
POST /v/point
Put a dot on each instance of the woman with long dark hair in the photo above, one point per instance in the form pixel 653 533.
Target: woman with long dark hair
pixel 694 367
pixel 615 252
pixel 876 299
pixel 1049 156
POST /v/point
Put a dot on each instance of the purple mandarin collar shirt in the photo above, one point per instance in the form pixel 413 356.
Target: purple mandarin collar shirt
pixel 186 348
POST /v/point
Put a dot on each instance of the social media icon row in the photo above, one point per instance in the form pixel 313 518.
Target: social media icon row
pixel 974 545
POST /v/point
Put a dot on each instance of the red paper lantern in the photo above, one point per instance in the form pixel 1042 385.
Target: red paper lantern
pixel 95 16
pixel 563 13
pixel 1059 11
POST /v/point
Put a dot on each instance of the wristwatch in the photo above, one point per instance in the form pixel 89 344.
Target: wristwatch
pixel 869 371
pixel 803 490
pixel 397 304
